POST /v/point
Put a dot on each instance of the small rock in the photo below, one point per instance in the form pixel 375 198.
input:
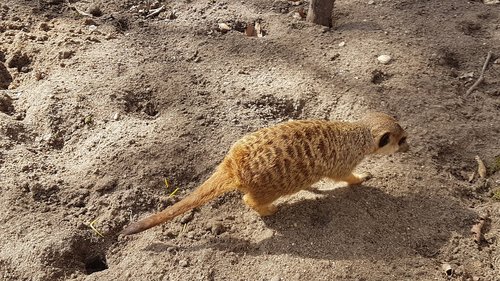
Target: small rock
pixel 371 2
pixel 187 217
pixel 44 26
pixel 184 263
pixel 81 225
pixel 66 54
pixel 5 77
pixel 105 183
pixel 384 59
pixel 6 104
pixel 217 228
pixel 224 27
pixel 94 10
pixel 116 116
pixel 89 21
pixel 342 44
pixel 275 278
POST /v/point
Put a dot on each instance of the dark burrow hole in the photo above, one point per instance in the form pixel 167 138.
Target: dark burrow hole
pixel 95 264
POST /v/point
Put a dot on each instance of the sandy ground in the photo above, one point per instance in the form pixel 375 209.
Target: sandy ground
pixel 97 112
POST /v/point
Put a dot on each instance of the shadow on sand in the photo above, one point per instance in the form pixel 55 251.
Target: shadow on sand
pixel 357 223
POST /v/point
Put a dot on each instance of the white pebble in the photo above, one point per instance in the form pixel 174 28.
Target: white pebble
pixel 342 44
pixel 384 59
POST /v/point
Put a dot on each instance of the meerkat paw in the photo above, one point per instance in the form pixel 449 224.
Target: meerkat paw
pixel 354 179
pixel 262 209
pixel 266 210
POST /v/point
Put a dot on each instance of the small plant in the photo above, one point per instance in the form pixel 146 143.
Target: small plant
pixel 173 192
pixel 495 166
pixel 496 194
pixel 88 120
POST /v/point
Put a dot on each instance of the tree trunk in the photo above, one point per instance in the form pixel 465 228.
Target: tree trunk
pixel 320 12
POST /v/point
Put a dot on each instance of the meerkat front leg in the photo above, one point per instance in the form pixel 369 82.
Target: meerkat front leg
pixel 354 179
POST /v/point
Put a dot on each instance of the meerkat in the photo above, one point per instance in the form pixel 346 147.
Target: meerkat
pixel 289 157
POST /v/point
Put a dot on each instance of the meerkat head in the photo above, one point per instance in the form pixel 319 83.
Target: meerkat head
pixel 388 135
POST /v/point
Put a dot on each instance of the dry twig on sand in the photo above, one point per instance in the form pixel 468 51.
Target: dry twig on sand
pixel 481 76
pixel 155 12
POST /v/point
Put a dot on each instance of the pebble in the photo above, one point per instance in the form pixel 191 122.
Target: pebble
pixel 217 228
pixel 224 27
pixel 66 54
pixel 89 21
pixel 371 2
pixel 342 44
pixel 384 59
pixel 276 278
pixel 184 263
pixel 44 26
pixel 94 10
pixel 187 218
pixel 116 116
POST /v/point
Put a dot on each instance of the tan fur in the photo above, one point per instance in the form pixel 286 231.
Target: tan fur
pixel 289 157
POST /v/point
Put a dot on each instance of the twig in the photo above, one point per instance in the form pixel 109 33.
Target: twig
pixel 477 229
pixel 77 10
pixel 91 225
pixel 173 193
pixel 481 76
pixel 155 12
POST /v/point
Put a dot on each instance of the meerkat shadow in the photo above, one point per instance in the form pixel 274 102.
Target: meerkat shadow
pixel 361 222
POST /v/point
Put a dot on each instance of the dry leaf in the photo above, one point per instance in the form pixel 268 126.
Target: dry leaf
pixel 302 13
pixel 250 30
pixel 477 229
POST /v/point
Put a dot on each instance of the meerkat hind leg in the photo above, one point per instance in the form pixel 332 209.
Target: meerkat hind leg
pixel 264 209
pixel 354 179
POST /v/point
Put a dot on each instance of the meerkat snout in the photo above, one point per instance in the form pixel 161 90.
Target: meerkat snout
pixel 389 136
pixel 403 145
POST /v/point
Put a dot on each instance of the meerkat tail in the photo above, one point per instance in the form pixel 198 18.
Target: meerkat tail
pixel 218 184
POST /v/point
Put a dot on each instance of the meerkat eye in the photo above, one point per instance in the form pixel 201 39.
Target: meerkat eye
pixel 402 141
pixel 384 140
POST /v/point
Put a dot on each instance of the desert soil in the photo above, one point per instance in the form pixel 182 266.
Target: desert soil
pixel 98 111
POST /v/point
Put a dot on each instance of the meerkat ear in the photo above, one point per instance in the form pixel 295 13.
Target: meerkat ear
pixel 384 140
